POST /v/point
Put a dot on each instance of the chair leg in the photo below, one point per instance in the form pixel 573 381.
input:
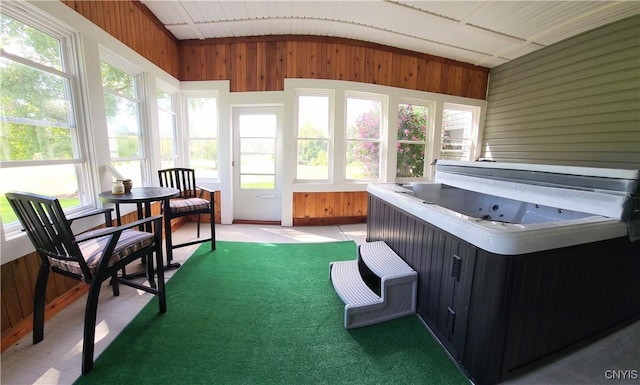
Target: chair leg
pixel 213 232
pixel 114 285
pixel 167 237
pixel 39 300
pixel 198 231
pixel 90 326
pixel 162 299
pixel 150 274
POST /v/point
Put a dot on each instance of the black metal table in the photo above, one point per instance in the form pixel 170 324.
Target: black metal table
pixel 142 197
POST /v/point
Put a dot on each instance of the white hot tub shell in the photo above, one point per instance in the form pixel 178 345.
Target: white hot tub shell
pixel 515 209
pixel 515 262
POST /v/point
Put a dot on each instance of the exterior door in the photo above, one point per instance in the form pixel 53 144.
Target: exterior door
pixel 257 163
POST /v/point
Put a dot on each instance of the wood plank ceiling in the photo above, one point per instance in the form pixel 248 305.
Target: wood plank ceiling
pixel 484 33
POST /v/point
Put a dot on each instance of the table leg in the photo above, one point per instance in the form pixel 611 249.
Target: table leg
pixel 168 237
pixel 118 220
pixel 149 270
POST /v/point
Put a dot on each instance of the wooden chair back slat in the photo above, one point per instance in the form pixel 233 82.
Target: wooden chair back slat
pixel 47 227
pixel 183 179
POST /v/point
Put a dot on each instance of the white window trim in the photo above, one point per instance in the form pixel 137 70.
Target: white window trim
pixel 331 132
pixel 383 138
pixel 14 241
pixel 476 112
pixel 184 135
pixel 174 114
pixel 393 137
pixel 141 98
pixel 394 95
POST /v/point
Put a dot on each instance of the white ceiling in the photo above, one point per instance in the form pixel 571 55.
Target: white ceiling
pixel 484 33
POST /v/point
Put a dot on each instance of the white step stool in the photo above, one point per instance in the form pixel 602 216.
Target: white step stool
pixel 398 286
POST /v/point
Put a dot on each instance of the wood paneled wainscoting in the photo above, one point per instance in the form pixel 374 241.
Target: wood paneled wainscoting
pixel 19 281
pixel 329 208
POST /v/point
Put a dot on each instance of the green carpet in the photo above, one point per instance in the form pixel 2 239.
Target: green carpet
pixel 260 313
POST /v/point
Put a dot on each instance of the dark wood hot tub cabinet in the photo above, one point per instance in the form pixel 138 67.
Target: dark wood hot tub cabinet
pixel 498 314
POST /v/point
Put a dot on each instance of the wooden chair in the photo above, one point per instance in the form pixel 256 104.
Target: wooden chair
pixel 91 257
pixel 190 202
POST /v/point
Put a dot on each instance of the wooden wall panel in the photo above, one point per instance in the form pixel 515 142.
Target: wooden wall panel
pixel 134 25
pixel 321 208
pixel 18 283
pixel 262 64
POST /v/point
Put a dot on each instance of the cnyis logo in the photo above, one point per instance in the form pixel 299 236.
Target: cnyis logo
pixel 621 374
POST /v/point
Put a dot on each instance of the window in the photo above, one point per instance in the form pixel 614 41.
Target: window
pixel 313 137
pixel 458 132
pixel 413 123
pixel 257 152
pixel 167 126
pixel 123 106
pixel 39 138
pixel 202 119
pixel 347 134
pixel 363 138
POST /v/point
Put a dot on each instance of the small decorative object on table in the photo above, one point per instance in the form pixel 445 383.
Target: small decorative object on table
pixel 117 188
pixel 127 185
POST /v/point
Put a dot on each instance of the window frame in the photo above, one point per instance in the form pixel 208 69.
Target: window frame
pixel 140 98
pixel 382 139
pixel 187 139
pixel 429 142
pixel 82 160
pixel 476 111
pixel 174 115
pixel 330 95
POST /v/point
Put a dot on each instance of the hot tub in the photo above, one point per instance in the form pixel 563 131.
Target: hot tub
pixel 516 262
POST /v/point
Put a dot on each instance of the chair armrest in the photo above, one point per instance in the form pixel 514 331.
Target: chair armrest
pixel 106 212
pixel 112 230
pixel 203 189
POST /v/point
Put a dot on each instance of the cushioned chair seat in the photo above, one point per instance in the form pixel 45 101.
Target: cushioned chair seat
pixel 187 205
pixel 130 241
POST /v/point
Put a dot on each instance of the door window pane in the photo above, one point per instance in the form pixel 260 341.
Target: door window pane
pixel 257 151
pixel 257 163
pixel 258 126
pixel 258 182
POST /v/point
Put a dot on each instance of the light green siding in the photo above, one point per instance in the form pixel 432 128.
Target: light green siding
pixel 574 103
